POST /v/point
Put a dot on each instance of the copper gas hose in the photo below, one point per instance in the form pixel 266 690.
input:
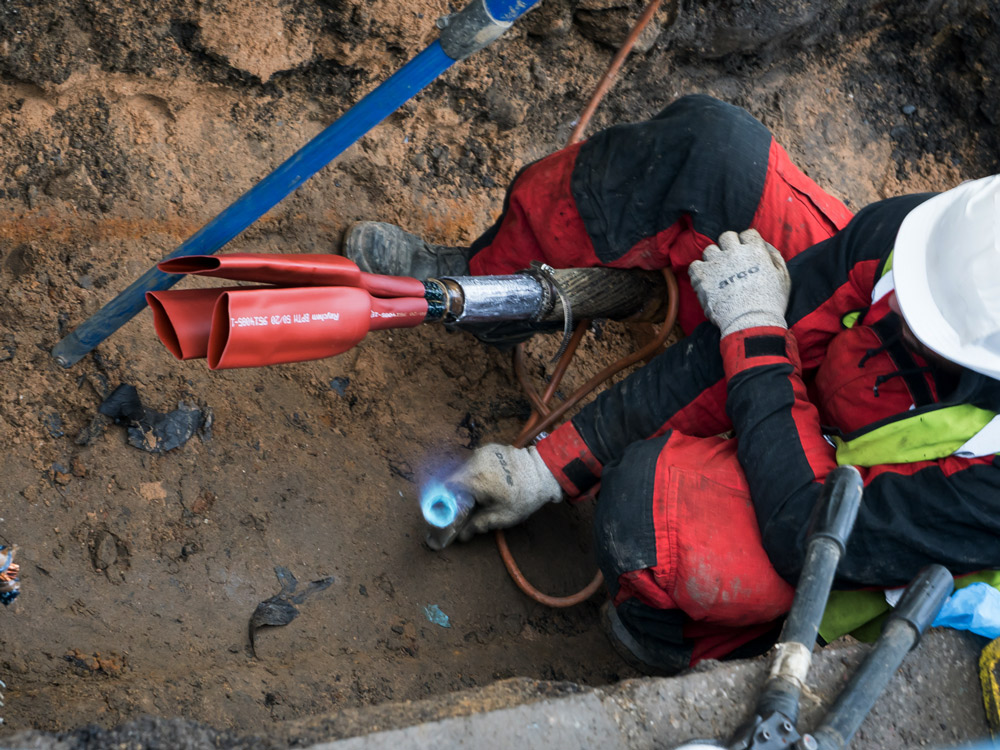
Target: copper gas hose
pixel 542 417
pixel 549 417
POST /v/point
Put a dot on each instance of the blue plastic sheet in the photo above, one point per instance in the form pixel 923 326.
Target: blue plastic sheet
pixel 975 608
pixel 434 614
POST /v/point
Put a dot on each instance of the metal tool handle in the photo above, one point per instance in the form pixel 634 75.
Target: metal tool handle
pixel 917 609
pixel 832 522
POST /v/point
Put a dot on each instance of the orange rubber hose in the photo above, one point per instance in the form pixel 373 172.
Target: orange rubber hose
pixel 557 602
pixel 540 403
pixel 611 370
pixel 551 417
pixel 604 85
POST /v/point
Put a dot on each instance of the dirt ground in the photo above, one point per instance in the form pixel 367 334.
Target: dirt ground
pixel 125 125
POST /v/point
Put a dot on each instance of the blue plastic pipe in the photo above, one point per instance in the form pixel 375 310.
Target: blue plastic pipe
pixel 303 164
pixel 508 10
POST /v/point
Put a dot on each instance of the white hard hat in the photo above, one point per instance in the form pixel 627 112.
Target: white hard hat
pixel 946 269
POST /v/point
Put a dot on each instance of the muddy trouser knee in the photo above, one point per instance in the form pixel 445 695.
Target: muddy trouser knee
pixel 678 543
pixel 654 194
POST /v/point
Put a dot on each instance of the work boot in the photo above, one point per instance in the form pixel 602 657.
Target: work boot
pixel 633 653
pixel 383 248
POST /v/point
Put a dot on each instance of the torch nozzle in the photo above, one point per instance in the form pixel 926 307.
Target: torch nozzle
pixel 445 512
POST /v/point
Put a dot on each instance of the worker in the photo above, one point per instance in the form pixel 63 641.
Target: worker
pixel 871 340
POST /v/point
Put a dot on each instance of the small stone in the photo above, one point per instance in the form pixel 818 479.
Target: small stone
pixel 16 666
pixel 204 503
pixel 339 385
pixel 105 551
pixel 909 109
pixel 218 574
pixel 549 19
pixel 53 423
pixel 74 186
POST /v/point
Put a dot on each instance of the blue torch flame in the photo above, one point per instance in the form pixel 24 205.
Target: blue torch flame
pixel 439 505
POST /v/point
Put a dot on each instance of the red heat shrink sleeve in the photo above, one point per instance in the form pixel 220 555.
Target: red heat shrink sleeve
pixel 264 268
pixel 399 312
pixel 183 318
pixel 256 327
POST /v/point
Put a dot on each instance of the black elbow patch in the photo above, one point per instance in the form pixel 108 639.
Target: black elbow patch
pixel 580 474
pixel 765 346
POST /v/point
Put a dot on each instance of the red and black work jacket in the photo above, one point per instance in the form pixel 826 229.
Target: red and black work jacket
pixel 840 369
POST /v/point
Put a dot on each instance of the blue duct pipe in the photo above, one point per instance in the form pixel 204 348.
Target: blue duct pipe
pixel 508 11
pixel 463 33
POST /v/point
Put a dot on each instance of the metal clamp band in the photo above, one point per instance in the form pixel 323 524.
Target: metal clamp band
pixel 469 30
pixel 545 275
pixel 542 273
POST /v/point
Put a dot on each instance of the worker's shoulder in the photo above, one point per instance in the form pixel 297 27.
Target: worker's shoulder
pixel 891 210
pixel 876 225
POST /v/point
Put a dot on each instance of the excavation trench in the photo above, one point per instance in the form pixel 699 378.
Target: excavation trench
pixel 141 570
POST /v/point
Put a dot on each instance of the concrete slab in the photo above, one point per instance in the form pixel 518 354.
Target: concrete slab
pixel 934 701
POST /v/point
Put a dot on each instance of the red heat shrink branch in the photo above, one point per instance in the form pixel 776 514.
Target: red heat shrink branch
pixel 320 306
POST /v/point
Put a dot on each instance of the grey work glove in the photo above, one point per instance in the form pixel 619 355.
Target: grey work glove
pixel 508 484
pixel 742 283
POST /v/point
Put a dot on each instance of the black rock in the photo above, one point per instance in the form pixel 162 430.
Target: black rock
pixel 150 430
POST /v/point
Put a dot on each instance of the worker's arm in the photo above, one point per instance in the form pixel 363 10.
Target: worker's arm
pixel 684 388
pixel 945 511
